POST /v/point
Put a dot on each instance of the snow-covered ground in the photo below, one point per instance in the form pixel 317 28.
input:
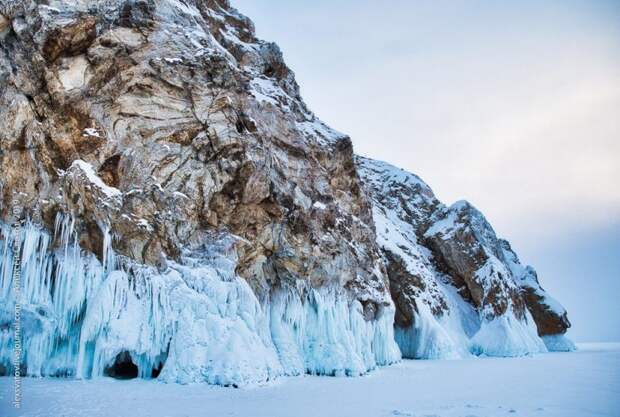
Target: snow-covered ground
pixel 578 384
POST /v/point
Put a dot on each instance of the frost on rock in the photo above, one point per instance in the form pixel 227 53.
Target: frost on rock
pixel 458 289
pixel 196 321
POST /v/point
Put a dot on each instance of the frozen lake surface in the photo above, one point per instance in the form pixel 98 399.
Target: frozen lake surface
pixel 579 384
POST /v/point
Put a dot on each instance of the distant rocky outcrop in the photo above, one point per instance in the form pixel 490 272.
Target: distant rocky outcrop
pixel 457 287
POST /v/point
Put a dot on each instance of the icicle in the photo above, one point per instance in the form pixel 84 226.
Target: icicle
pixel 430 337
pixel 198 319
pixel 109 258
pixel 326 333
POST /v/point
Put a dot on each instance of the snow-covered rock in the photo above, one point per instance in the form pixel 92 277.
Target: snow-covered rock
pixel 458 289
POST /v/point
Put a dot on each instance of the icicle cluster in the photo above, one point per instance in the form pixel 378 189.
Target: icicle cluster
pixel 196 321
pixel 56 284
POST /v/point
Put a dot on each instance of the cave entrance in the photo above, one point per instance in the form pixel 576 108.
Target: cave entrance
pixel 122 368
pixel 157 370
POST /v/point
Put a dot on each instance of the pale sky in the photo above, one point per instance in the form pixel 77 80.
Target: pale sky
pixel 514 106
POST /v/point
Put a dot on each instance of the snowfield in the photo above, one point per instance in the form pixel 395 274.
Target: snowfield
pixel 577 384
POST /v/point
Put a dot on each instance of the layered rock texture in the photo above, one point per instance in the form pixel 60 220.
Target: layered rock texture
pixel 179 213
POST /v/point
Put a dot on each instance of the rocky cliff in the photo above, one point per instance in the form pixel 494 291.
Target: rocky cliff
pixel 185 216
pixel 456 286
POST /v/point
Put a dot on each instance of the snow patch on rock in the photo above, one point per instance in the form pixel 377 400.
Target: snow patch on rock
pixel 88 170
pixel 74 72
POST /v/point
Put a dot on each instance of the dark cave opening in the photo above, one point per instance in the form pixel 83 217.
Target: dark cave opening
pixel 156 371
pixel 122 368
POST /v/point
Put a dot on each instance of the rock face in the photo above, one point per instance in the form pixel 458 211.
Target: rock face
pixel 188 217
pixel 456 286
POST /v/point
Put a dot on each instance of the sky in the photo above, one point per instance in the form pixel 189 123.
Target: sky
pixel 514 106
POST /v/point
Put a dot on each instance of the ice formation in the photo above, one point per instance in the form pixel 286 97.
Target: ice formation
pixel 559 343
pixel 195 321
pixel 507 335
